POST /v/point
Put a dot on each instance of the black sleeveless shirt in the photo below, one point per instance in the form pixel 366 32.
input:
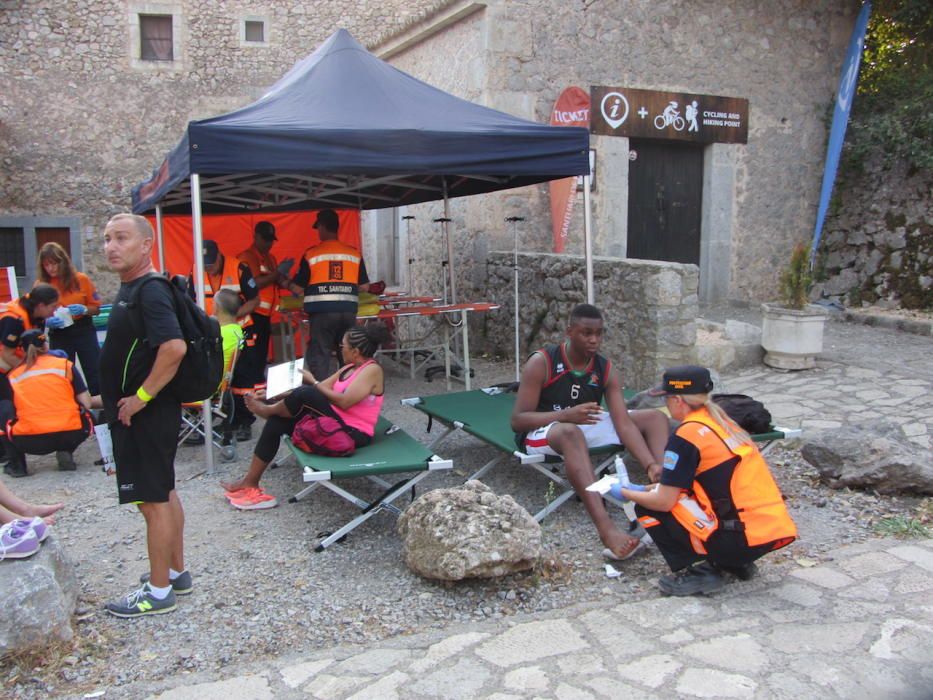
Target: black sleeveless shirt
pixel 565 387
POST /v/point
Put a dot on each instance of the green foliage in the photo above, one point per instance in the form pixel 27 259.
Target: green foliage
pixel 796 279
pixel 891 114
pixel 902 527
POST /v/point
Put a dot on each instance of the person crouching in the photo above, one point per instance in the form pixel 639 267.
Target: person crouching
pixel 717 508
pixel 50 407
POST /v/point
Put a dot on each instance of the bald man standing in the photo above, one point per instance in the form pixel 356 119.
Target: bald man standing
pixel 143 419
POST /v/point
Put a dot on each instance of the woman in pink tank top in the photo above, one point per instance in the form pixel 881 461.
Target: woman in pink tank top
pixel 353 395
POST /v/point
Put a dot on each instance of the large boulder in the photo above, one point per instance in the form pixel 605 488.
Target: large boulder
pixel 37 597
pixel 873 455
pixel 468 532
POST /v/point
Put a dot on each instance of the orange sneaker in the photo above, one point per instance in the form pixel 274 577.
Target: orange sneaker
pixel 239 493
pixel 253 499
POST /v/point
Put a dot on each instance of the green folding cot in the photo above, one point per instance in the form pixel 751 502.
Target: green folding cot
pixel 486 414
pixel 392 451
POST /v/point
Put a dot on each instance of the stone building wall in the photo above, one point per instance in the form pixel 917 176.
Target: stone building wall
pixel 82 121
pixel 878 241
pixel 784 56
pixel 649 308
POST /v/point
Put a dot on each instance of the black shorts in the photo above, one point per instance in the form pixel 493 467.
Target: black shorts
pixel 144 452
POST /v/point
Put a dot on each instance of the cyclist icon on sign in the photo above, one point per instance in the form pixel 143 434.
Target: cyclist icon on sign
pixel 670 117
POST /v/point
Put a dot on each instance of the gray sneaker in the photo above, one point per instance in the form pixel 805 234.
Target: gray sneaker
pixel 141 602
pixel 694 580
pixel 66 461
pixel 180 586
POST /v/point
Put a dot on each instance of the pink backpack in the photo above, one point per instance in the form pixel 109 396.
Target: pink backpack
pixel 322 435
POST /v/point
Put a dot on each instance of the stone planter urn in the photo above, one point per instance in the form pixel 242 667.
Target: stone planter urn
pixel 791 338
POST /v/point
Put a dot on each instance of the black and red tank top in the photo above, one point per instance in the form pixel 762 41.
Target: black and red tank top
pixel 565 386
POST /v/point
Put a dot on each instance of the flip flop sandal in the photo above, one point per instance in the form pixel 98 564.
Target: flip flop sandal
pixel 609 554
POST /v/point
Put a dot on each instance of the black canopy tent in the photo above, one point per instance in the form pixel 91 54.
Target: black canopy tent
pixel 343 129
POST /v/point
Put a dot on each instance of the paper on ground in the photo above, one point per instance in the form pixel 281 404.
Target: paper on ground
pixel 612 572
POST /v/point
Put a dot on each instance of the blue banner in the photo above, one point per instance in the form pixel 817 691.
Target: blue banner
pixel 837 133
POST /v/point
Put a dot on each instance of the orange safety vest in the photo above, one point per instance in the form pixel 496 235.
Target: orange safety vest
pixel 44 397
pixel 16 310
pixel 229 279
pixel 260 264
pixel 333 286
pixel 762 515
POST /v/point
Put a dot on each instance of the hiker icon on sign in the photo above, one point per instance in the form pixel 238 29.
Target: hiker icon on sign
pixel 692 110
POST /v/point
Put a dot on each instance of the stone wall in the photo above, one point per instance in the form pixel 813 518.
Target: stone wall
pixel 82 121
pixel 878 241
pixel 784 56
pixel 650 309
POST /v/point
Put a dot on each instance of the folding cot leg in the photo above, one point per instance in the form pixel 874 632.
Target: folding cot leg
pixel 304 492
pixel 554 505
pixel 479 474
pixel 369 509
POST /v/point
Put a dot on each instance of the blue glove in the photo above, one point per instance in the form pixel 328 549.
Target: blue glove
pixel 77 309
pixel 59 353
pixel 285 266
pixel 54 323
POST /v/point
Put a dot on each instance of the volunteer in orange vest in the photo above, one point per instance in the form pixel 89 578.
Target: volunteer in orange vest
pixel 78 294
pixel 222 272
pixel 331 276
pixel 716 508
pixel 269 275
pixel 29 311
pixel 50 411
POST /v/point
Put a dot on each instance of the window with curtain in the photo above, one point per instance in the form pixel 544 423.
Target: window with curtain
pixel 155 38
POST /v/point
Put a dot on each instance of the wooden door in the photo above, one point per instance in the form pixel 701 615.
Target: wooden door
pixel 62 236
pixel 664 201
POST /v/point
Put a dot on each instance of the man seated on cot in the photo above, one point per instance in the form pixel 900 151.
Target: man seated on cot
pixel 557 412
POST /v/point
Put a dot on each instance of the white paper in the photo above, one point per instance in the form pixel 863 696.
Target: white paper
pixel 102 433
pixel 612 572
pixel 283 377
pixel 62 313
pixel 604 485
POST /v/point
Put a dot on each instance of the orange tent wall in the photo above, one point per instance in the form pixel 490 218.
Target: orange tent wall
pixel 234 234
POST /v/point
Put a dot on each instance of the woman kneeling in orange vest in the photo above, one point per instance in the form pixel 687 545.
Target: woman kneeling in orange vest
pixel 717 508
pixel 50 407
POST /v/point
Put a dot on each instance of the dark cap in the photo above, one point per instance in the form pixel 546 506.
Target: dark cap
pixel 686 379
pixel 327 217
pixel 210 252
pixel 32 337
pixel 266 230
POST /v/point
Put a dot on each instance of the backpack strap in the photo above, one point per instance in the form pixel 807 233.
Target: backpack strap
pixel 136 314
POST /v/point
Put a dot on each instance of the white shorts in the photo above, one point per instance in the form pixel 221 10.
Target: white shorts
pixel 596 435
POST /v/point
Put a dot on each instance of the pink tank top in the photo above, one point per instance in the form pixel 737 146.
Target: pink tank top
pixel 362 415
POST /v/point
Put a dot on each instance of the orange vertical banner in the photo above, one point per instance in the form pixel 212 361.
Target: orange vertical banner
pixel 571 109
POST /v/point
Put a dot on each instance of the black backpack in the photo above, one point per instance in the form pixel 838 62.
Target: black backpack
pixel 202 367
pixel 751 415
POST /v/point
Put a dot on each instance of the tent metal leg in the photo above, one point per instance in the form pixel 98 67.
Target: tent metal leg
pixel 199 288
pixel 159 238
pixel 588 239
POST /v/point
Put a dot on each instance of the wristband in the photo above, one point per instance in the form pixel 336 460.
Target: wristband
pixel 143 395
